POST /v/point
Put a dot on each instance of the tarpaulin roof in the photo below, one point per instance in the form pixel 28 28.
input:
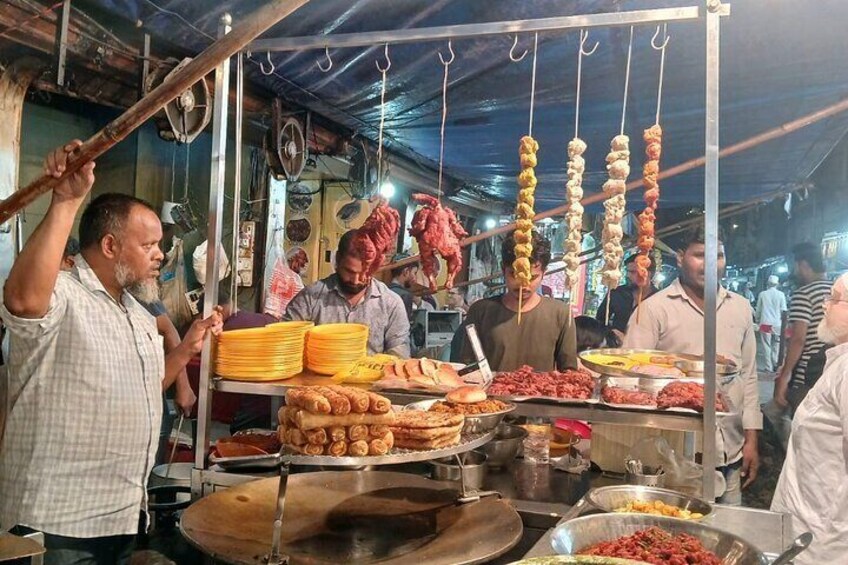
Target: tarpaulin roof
pixel 780 59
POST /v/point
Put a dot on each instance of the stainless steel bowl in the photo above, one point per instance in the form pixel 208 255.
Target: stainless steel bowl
pixel 504 448
pixel 617 496
pixel 478 423
pixel 473 465
pixel 580 533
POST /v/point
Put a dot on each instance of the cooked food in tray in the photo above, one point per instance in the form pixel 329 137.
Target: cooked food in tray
pixel 469 401
pixel 336 420
pixel 365 371
pixel 419 374
pixel 655 545
pixel 686 395
pixel 659 508
pixel 621 395
pixel 569 384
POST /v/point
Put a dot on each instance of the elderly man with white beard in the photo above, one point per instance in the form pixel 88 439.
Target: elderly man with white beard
pixel 85 374
pixel 813 486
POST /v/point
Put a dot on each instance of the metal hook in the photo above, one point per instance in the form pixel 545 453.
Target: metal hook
pixel 512 56
pixel 453 55
pixel 388 61
pixel 584 35
pixel 329 61
pixel 654 38
pixel 270 62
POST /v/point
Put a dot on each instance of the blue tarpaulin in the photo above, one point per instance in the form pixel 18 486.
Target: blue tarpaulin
pixel 780 59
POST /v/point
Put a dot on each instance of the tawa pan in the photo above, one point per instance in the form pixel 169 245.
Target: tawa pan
pixel 337 517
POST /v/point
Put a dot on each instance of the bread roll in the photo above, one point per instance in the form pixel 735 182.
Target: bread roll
pixel 358 448
pixel 339 404
pixel 378 404
pixel 466 395
pixel 337 448
pixel 310 449
pixel 316 437
pixel 377 447
pixel 337 433
pixel 378 430
pixel 357 432
pixel 308 399
pixel 359 400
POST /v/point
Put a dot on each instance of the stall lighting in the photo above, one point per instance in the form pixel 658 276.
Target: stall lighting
pixel 490 223
pixel 387 190
pixel 782 269
pixel 660 278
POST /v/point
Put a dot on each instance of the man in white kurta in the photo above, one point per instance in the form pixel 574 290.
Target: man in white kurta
pixel 813 486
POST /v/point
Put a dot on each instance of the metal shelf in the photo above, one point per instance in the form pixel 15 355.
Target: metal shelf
pixel 590 412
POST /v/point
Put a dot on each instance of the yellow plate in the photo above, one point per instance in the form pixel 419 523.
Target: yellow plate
pixel 338 329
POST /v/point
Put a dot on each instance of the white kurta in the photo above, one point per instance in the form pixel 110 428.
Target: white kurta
pixel 813 486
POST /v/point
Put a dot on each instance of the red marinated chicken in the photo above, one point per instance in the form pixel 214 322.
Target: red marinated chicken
pixel 377 236
pixel 437 229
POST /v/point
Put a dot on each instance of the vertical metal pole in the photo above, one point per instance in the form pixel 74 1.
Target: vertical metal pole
pixel 237 183
pixel 711 236
pixel 213 236
pixel 62 43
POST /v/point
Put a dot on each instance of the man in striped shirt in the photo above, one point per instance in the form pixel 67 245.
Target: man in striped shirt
pixel 806 310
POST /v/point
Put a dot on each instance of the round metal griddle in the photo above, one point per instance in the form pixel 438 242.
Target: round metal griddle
pixel 352 517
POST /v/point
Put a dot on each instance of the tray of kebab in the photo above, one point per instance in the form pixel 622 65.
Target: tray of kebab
pixel 670 395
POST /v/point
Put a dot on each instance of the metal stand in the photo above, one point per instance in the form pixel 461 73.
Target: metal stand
pixel 275 558
pixel 466 494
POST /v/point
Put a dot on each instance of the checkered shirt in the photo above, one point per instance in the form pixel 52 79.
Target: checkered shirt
pixel 86 404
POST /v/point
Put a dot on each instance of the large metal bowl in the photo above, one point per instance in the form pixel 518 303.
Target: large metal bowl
pixel 504 447
pixel 578 534
pixel 617 496
pixel 478 423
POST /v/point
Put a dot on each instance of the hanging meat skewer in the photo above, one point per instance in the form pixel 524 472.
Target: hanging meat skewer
pixel 618 167
pixel 574 213
pixel 524 210
pixel 647 219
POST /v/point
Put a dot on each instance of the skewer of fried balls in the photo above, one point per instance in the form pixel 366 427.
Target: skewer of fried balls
pixel 574 211
pixel 618 167
pixel 525 213
pixel 647 219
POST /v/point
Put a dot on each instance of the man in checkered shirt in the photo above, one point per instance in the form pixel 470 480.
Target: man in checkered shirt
pixel 85 374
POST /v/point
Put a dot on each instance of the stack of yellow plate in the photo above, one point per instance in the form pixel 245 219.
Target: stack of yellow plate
pixel 262 354
pixel 331 348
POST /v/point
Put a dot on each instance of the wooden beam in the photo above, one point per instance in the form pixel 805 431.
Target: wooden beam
pixel 251 27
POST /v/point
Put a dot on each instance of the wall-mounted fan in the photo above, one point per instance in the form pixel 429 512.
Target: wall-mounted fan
pixel 189 113
pixel 291 149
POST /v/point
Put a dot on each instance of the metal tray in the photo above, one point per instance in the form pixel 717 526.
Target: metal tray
pixel 691 365
pixel 580 533
pixel 616 496
pixel 594 399
pixel 654 386
pixel 396 456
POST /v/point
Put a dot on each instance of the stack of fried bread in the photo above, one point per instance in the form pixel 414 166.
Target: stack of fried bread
pixel 336 420
pixel 417 429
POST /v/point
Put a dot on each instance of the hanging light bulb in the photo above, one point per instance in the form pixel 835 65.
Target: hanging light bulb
pixel 387 190
pixel 490 223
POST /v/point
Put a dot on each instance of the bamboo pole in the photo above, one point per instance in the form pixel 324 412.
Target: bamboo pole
pixel 253 25
pixel 686 166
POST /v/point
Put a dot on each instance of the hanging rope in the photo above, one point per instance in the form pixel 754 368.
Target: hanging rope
pixel 533 84
pixel 626 80
pixel 383 71
pixel 660 48
pixel 584 35
pixel 446 64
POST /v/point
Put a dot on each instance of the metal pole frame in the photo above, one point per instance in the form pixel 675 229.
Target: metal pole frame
pixel 440 33
pixel 213 238
pixel 711 199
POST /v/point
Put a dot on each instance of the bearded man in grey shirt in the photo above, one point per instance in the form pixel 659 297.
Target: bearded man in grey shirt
pixel 352 295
